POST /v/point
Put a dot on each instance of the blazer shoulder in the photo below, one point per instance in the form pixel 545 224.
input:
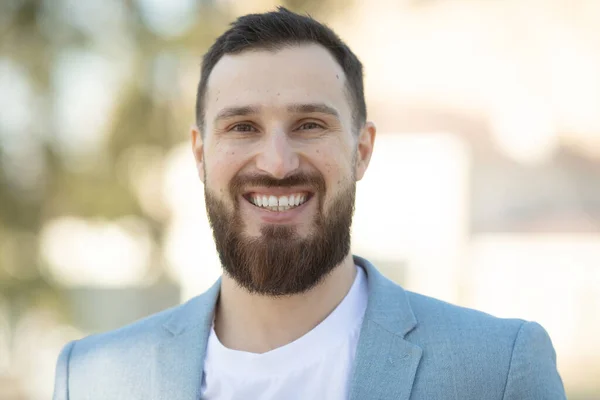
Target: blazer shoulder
pixel 448 318
pixel 136 337
pixel 513 356
pixel 109 360
pixel 139 331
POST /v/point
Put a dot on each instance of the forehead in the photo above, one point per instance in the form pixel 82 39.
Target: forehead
pixel 273 79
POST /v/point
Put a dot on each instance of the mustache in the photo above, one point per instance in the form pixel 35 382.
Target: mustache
pixel 312 180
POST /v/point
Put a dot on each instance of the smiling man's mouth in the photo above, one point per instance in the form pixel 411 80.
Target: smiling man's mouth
pixel 278 203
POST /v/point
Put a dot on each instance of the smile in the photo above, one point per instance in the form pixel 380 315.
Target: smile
pixel 275 203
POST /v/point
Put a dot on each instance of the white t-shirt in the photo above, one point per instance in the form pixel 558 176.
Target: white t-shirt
pixel 315 366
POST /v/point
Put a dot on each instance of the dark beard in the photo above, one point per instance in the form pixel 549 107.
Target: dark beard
pixel 279 262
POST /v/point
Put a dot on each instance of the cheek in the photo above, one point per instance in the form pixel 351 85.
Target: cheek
pixel 338 173
pixel 218 175
pixel 335 165
pixel 222 164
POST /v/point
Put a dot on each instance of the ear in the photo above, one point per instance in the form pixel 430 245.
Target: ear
pixel 364 149
pixel 198 150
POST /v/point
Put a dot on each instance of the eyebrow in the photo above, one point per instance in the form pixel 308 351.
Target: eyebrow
pixel 231 112
pixel 313 108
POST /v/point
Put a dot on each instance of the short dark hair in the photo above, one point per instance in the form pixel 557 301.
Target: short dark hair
pixel 276 30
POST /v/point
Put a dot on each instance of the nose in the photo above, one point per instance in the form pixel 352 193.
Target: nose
pixel 277 158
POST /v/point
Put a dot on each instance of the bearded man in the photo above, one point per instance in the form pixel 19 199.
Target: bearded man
pixel 280 141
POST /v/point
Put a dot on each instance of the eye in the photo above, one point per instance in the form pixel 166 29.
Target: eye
pixel 310 126
pixel 243 128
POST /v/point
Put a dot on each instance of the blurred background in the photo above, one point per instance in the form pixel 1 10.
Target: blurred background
pixel 484 188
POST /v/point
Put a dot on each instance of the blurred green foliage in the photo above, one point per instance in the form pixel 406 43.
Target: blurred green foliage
pixel 34 36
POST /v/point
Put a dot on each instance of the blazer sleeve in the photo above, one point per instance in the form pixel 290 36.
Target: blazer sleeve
pixel 532 373
pixel 61 380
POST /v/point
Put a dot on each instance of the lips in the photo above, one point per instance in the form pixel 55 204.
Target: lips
pixel 271 197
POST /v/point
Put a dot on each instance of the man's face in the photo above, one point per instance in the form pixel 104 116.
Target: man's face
pixel 279 161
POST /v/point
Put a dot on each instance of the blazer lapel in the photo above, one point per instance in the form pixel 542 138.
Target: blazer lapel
pixel 385 364
pixel 179 358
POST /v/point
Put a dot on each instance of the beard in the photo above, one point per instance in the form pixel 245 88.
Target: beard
pixel 280 262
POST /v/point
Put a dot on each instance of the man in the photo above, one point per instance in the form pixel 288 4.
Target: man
pixel 280 141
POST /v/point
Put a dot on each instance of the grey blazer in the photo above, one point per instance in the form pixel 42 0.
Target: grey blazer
pixel 410 347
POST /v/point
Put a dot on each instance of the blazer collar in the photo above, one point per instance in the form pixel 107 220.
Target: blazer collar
pixel 388 303
pixel 179 359
pixel 385 363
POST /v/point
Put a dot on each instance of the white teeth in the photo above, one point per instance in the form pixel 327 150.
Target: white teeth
pixel 282 203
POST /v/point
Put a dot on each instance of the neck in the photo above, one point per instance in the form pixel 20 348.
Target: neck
pixel 257 323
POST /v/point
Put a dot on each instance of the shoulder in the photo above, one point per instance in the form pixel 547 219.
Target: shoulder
pixel 512 356
pixel 463 323
pixel 468 330
pixel 111 360
pixel 121 362
pixel 139 335
pixel 131 340
pixel 448 318
pixel 137 340
pixel 423 318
